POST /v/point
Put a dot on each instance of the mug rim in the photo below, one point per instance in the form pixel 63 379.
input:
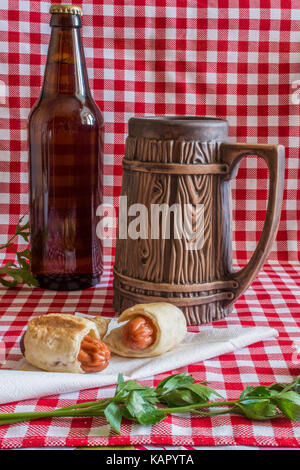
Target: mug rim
pixel 184 119
pixel 172 127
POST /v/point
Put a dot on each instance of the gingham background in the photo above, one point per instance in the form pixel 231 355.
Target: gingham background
pixel 168 57
pixel 272 300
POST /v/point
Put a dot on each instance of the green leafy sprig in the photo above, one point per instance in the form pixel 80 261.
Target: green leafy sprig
pixel 177 393
pixel 18 271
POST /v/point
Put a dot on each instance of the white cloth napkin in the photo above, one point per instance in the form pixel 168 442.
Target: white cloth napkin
pixel 16 385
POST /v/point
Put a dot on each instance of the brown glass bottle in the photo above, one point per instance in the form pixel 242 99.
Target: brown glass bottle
pixel 66 157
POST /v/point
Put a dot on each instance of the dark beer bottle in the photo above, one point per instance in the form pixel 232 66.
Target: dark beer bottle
pixel 65 154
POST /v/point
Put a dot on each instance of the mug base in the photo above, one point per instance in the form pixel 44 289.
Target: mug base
pixel 195 315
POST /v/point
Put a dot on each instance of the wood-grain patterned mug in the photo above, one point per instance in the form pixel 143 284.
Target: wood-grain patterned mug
pixel 188 161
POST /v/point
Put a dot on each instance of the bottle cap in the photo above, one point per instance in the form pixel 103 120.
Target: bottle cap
pixel 63 8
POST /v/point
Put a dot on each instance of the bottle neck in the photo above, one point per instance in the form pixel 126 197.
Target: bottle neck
pixel 65 72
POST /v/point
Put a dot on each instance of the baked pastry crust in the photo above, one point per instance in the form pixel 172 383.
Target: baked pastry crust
pixel 101 324
pixel 52 342
pixel 170 324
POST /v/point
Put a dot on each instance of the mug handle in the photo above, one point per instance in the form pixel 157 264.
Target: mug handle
pixel 232 154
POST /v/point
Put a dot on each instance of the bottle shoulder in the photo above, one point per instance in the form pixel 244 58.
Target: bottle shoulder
pixel 68 107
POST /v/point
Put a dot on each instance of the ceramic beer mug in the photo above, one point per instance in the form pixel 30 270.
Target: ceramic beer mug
pixel 184 256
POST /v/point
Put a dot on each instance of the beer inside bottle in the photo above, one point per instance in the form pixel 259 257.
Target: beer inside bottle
pixel 65 158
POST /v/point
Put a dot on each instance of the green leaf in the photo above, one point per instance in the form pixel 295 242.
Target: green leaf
pixel 120 379
pixel 189 395
pixel 258 409
pixel 148 394
pixel 245 393
pixel 7 265
pixel 125 413
pixel 27 277
pixel 173 382
pixel 124 388
pixel 21 272
pixel 289 404
pixel 15 274
pixel 143 411
pixel 21 227
pixel 202 391
pixel 276 387
pixel 7 283
pixel 113 414
pixel 179 398
pixel 23 230
pixel 23 262
pixel 25 236
pixel 26 254
pixel 19 275
pixel 291 396
pixel 260 391
pixel 293 385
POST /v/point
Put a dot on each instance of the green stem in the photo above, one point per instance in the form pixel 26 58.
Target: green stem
pixel 7 245
pixel 38 414
pixel 182 409
pixel 211 413
pixel 288 387
pixel 96 408
pixel 15 421
pixel 86 404
pixel 69 411
pixel 20 417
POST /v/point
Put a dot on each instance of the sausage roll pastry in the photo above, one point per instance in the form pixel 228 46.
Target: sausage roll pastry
pixel 65 343
pixel 101 324
pixel 150 330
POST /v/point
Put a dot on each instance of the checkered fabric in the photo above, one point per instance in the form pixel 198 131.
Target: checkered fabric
pixel 271 301
pixel 184 57
pixel 167 57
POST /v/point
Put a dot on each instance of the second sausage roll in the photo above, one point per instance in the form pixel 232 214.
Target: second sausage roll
pixel 151 330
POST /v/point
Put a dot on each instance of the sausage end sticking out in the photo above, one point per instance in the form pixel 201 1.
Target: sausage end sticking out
pixel 94 355
pixel 139 333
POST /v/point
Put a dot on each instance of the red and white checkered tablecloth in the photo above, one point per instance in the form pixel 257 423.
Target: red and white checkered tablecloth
pixel 215 58
pixel 272 300
pixel 218 58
